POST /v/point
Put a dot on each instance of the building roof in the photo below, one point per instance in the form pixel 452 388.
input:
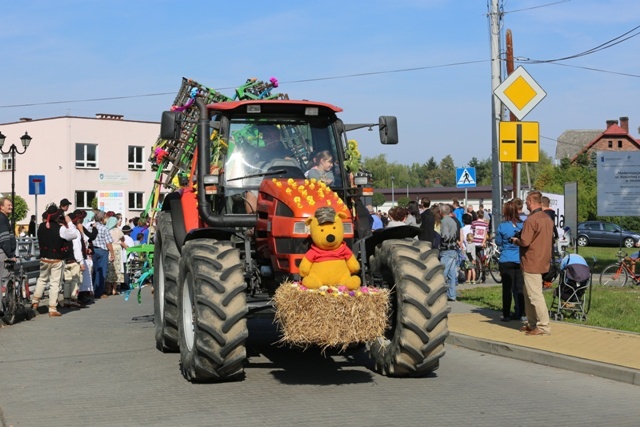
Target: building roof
pixel 571 142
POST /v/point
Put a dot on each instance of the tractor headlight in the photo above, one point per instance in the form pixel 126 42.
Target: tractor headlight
pixel 301 228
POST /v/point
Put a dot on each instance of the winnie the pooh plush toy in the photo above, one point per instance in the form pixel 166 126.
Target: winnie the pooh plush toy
pixel 329 262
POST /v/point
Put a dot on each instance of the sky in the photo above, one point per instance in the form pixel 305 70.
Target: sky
pixel 427 62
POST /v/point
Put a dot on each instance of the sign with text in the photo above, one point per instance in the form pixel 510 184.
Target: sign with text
pixel 618 183
pixel 111 201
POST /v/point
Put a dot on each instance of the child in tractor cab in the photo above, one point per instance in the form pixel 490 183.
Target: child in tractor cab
pixel 322 167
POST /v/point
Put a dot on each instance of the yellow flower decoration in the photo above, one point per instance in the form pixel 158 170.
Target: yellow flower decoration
pixel 311 186
pixel 301 188
pixel 278 184
pixel 306 182
pixel 290 181
pixel 274 180
pixel 311 203
pixel 288 191
pixel 328 202
pixel 313 180
pixel 340 202
pixel 296 199
pixel 304 193
pixel 299 206
pixel 309 198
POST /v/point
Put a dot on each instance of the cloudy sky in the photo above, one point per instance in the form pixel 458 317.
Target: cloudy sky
pixel 424 61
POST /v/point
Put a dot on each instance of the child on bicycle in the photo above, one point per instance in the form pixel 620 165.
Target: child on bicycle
pixel 470 249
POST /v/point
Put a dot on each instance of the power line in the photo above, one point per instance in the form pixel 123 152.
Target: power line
pixel 345 76
pixel 606 45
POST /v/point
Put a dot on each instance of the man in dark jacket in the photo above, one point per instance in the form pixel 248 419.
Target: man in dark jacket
pixel 7 236
pixel 427 223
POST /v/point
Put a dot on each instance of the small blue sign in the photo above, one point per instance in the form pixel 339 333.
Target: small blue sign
pixel 465 177
pixel 36 184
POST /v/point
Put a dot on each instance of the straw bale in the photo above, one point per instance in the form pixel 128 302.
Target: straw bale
pixel 330 316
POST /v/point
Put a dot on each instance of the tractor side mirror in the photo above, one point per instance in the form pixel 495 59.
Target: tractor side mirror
pixel 170 125
pixel 388 126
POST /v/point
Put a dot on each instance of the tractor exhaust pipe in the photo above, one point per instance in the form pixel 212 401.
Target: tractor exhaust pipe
pixel 204 154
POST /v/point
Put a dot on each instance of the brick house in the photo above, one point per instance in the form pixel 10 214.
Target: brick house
pixel 615 137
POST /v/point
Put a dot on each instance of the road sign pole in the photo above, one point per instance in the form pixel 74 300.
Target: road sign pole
pixel 465 197
pixel 36 215
pixel 495 16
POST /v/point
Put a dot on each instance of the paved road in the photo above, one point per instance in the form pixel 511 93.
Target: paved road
pixel 99 367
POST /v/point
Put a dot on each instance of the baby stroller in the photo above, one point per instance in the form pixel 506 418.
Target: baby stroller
pixel 572 297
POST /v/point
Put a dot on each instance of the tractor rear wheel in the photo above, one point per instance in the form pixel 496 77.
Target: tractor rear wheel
pixel 213 307
pixel 414 341
pixel 165 287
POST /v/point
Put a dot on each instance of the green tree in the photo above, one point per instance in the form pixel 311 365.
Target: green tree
pixel 20 208
pixel 378 199
pixel 403 201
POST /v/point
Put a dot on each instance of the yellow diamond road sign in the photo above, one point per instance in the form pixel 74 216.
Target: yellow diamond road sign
pixel 520 93
pixel 519 142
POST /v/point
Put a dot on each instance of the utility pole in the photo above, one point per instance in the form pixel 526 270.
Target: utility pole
pixel 495 16
pixel 515 166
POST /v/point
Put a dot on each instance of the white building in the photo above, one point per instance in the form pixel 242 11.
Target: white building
pixel 79 158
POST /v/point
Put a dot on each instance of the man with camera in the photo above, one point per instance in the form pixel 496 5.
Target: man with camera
pixel 535 258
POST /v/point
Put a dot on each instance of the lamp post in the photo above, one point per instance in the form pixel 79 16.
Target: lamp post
pixel 393 197
pixel 26 140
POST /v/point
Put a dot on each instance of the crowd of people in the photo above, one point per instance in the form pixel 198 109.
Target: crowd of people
pixel 83 253
pixel 462 235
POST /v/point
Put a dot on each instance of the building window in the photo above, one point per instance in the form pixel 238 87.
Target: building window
pixel 84 199
pixel 6 162
pixel 610 144
pixel 135 201
pixel 619 144
pixel 136 157
pixel 86 156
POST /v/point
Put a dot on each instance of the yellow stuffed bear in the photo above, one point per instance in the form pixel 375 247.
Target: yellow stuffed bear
pixel 329 262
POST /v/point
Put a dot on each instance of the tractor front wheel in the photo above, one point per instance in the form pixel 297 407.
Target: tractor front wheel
pixel 213 308
pixel 414 342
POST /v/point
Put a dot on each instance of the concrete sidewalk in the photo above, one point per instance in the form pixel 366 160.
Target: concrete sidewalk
pixel 595 351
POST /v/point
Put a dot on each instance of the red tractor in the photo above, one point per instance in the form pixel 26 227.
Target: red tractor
pixel 225 241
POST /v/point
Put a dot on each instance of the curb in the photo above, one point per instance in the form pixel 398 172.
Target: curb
pixel 589 367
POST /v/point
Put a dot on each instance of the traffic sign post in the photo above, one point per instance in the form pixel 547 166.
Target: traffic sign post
pixel 519 142
pixel 36 186
pixel 520 93
pixel 465 178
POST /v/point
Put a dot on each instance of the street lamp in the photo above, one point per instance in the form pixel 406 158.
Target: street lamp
pixel 393 197
pixel 26 140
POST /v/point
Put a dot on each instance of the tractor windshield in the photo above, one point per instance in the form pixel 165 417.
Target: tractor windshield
pixel 263 148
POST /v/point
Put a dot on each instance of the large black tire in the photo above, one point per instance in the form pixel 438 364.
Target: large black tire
pixel 213 307
pixel 414 342
pixel 165 287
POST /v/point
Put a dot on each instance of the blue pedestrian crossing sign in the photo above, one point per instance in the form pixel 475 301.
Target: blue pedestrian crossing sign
pixel 465 177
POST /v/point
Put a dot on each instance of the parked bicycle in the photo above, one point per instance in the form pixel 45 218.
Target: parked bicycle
pixel 15 294
pixel 618 273
pixel 489 262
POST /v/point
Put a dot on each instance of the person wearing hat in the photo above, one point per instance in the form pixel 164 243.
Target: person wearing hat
pixel 64 205
pixel 51 238
pixel 74 265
